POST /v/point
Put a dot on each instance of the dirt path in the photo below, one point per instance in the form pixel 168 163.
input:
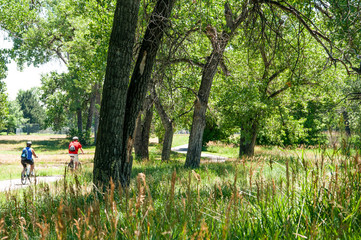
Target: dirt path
pixel 8 185
pixel 211 158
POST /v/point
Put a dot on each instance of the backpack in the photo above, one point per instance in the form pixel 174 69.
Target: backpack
pixel 72 148
pixel 24 154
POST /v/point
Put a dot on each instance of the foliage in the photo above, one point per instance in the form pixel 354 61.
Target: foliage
pixel 212 131
pixel 3 104
pixel 15 118
pixel 84 137
pixel 30 105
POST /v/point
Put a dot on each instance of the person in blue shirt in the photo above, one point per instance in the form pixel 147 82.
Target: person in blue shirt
pixel 29 152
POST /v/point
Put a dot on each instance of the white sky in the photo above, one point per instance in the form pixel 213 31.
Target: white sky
pixel 29 77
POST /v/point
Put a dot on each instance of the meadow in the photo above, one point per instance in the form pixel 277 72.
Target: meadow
pixel 277 194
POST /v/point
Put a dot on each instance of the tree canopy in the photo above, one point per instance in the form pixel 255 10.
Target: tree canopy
pixel 268 71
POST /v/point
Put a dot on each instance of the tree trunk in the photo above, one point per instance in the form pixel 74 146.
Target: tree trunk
pixel 219 44
pixel 138 136
pixel 199 116
pixel 346 122
pixel 91 110
pixel 96 112
pixel 121 104
pixel 168 126
pixel 167 142
pixel 80 120
pixel 248 140
pixel 142 133
pixel 108 152
pixel 140 80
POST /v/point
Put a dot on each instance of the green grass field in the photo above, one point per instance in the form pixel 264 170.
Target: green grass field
pixel 51 149
pixel 278 194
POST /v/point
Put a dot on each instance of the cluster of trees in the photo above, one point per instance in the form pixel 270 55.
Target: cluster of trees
pixel 25 111
pixel 276 72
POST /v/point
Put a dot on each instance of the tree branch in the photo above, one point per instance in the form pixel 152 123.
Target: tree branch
pixel 301 18
pixel 183 60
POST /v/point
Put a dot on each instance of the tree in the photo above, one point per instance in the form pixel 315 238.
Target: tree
pixel 15 118
pixel 76 33
pixel 30 106
pixel 142 130
pixel 219 43
pixel 121 104
pixel 3 104
pixel 299 11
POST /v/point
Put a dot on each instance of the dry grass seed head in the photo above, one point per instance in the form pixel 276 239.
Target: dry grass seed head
pixel 141 192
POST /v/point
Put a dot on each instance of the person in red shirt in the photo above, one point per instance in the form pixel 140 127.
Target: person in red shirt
pixel 74 147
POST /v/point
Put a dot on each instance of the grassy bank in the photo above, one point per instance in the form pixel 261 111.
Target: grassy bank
pixel 265 197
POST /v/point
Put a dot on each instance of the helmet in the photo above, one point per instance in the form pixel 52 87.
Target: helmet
pixel 29 143
pixel 75 138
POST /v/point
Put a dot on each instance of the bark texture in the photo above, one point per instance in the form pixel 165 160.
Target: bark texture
pixel 142 135
pixel 121 104
pixel 219 44
pixel 168 127
pixel 199 116
pixel 97 113
pixel 108 153
pixel 140 80
pixel 248 140
pixel 142 132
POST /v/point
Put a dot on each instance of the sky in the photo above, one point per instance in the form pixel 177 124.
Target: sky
pixel 27 78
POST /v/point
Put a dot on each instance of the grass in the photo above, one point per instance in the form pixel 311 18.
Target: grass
pixel 180 139
pixel 51 149
pixel 278 194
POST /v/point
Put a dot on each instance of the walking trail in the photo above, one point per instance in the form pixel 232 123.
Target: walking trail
pixel 211 158
pixel 8 185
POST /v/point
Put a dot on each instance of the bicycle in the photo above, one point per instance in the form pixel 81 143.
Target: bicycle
pixel 26 175
pixel 71 164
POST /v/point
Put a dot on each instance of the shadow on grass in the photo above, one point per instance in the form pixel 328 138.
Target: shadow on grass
pixel 160 170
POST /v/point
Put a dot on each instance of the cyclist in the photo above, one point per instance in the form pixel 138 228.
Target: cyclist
pixel 27 157
pixel 74 147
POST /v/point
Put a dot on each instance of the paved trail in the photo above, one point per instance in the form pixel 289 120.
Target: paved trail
pixel 13 184
pixel 213 158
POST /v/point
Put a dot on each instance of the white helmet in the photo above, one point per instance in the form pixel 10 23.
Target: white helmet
pixel 75 138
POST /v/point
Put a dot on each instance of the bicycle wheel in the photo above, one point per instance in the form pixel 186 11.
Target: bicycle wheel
pixel 23 178
pixel 71 165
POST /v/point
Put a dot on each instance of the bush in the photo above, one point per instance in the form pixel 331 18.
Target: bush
pixel 84 137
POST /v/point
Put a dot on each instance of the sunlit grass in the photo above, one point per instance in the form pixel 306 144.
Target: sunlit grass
pixel 180 139
pixel 278 194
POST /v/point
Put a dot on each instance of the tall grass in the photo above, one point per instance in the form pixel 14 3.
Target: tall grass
pixel 252 198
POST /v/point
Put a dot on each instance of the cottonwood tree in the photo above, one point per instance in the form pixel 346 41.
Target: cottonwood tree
pixel 122 100
pixel 219 41
pixel 142 130
pixel 297 11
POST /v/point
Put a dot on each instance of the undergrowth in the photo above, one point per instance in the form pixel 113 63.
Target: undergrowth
pixel 254 198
